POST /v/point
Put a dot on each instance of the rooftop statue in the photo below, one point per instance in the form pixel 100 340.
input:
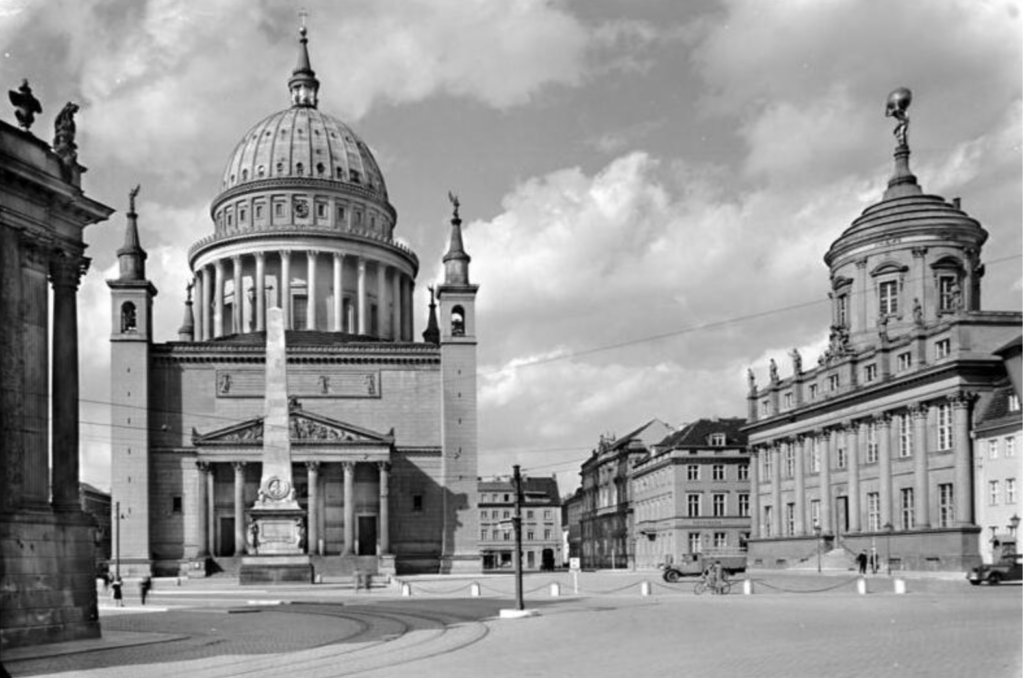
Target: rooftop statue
pixel 26 106
pixel 454 199
pixel 896 107
pixel 131 198
pixel 64 133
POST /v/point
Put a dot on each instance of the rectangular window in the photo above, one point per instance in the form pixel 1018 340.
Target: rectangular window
pixel 1009 447
pixel 529 515
pixel 767 464
pixel 496 535
pixel 259 212
pixel 718 505
pixel 949 292
pixel 529 535
pixel 766 407
pixel 547 535
pixel 693 472
pixel 833 382
pixel 744 471
pixel 907 508
pixel 887 299
pixel 993 492
pixel 790 461
pixel 941 348
pixel 841 457
pixel 903 362
pixel 693 542
pixel 768 521
pixel 720 540
pixel 842 310
pixel 176 504
pixel 945 432
pixel 787 400
pixel 483 515
pixel 874 512
pixel 815 512
pixel 506 515
pixel 717 440
pixel 906 435
pixel 993 449
pixel 1013 403
pixel 321 211
pixel 790 519
pixel 1011 490
pixel 693 505
pixel 872 446
pixel 870 373
pixel 417 503
pixel 507 536
pixel 945 504
pixel 816 455
pixel 718 472
pixel 744 504
pixel 813 391
pixel 483 535
pixel 547 514
pixel 278 209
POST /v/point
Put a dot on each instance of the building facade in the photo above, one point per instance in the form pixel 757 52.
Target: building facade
pixel 542 523
pixel 691 494
pixel 47 573
pixel 872 447
pixel 96 503
pixel 997 464
pixel 383 428
pixel 606 519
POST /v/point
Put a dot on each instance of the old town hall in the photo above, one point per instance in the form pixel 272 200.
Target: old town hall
pixel 382 428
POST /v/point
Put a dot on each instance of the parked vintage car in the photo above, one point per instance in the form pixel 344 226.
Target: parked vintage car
pixel 694 564
pixel 1007 568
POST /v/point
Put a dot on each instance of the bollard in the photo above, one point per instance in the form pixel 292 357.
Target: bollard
pixel 645 588
pixel 474 590
pixel 899 586
pixel 318 579
pixel 556 590
pixel 406 591
pixel 862 586
pixel 748 587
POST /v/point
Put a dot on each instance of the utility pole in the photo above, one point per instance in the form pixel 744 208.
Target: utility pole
pixel 517 525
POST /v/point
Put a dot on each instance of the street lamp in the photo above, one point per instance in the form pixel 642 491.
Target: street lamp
pixel 817 541
pixel 1014 523
pixel 117 544
pixel 888 550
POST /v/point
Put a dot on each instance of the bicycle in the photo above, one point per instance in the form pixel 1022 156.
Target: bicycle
pixel 721 588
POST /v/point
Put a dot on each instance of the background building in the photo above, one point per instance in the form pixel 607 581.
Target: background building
pixel 606 519
pixel 871 447
pixel 96 503
pixel 691 494
pixel 48 569
pixel 383 428
pixel 542 523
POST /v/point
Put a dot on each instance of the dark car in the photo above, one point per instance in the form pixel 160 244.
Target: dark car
pixel 1008 568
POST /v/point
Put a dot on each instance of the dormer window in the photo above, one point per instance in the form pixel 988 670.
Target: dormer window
pixel 717 440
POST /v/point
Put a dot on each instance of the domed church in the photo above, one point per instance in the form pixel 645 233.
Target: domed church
pixel 381 428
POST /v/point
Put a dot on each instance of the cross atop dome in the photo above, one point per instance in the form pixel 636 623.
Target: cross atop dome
pixel 303 84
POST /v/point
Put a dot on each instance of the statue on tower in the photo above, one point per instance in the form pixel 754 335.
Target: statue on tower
pixel 26 106
pixel 896 107
pixel 454 199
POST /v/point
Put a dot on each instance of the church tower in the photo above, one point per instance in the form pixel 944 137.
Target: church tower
pixel 457 299
pixel 131 333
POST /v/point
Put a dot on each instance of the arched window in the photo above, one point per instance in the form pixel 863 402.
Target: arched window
pixel 458 321
pixel 128 321
pixel 320 168
pixel 298 169
pixel 245 175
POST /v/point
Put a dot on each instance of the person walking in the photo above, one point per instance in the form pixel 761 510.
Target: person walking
pixel 116 586
pixel 862 562
pixel 144 585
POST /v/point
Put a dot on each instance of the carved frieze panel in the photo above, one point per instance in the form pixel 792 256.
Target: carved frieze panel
pixel 248 383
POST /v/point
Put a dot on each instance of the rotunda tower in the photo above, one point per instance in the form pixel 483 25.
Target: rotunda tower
pixel 303 221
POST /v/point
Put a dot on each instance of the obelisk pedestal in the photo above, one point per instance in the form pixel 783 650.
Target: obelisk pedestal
pixel 276 532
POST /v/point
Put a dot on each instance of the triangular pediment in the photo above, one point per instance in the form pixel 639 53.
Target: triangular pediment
pixel 304 427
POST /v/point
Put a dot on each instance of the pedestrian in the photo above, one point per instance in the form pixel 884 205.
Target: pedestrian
pixel 105 576
pixel 874 561
pixel 144 585
pixel 118 594
pixel 862 562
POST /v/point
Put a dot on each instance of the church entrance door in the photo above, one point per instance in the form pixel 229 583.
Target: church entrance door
pixel 367 539
pixel 226 538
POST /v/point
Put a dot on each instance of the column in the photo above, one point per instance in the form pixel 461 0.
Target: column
pixel 361 293
pixel 239 296
pixel 396 305
pixel 922 514
pixel 211 530
pixel 385 532
pixel 202 538
pixel 775 451
pixel 350 506
pixel 382 306
pixel 286 288
pixel 862 295
pixel 884 433
pixel 755 492
pixel 921 272
pixel 239 507
pixel 311 301
pixel 802 449
pixel 962 459
pixel 825 480
pixel 65 270
pixel 856 440
pixel 197 315
pixel 407 309
pixel 207 304
pixel 218 299
pixel 261 292
pixel 313 506
pixel 339 322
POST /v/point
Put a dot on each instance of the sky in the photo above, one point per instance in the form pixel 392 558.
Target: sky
pixel 648 187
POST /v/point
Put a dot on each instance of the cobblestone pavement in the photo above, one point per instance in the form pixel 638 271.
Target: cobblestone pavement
pixel 210 629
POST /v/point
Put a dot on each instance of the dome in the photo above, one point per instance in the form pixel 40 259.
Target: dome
pixel 302 142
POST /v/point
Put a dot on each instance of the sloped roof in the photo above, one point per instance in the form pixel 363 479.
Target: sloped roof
pixel 697 433
pixel 533 486
pixel 998 412
pixel 642 434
